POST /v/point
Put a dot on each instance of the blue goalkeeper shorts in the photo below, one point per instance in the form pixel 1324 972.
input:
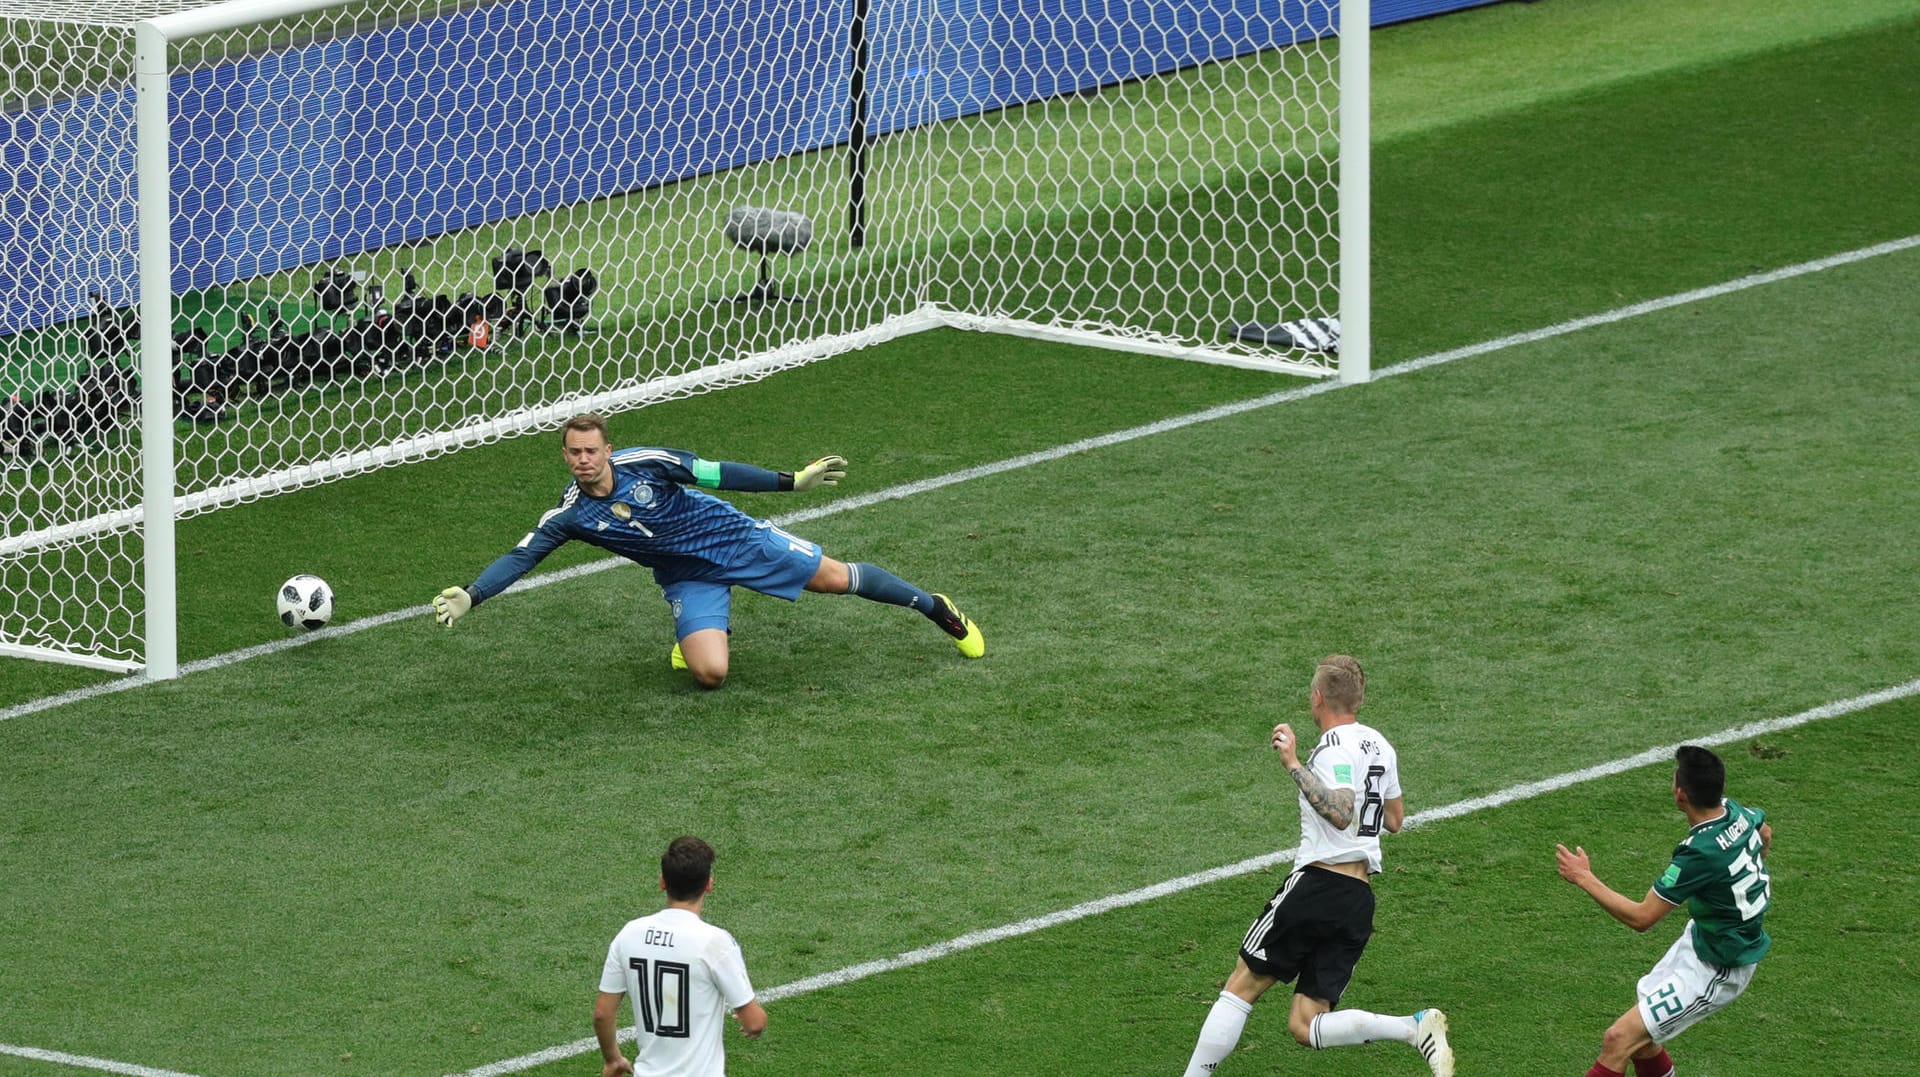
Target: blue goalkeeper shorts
pixel 771 561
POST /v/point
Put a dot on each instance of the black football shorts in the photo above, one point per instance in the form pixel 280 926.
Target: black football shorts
pixel 1315 928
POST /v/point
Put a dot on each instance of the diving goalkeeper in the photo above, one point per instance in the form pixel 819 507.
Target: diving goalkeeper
pixel 636 502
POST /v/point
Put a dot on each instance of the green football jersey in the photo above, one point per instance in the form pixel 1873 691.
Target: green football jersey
pixel 1721 876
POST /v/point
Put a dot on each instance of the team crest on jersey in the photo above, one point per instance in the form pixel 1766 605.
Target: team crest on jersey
pixel 621 510
pixel 642 494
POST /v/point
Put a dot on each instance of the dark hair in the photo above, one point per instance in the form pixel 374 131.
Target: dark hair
pixel 583 423
pixel 686 866
pixel 1701 775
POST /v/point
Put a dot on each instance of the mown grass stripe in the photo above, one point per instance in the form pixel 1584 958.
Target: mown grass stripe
pixel 1016 463
pixel 972 939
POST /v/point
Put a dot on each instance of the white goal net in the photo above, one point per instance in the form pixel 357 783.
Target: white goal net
pixel 395 230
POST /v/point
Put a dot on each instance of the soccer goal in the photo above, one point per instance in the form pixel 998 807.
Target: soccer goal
pixel 254 246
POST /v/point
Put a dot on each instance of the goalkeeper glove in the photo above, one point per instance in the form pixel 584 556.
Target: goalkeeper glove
pixel 451 604
pixel 826 471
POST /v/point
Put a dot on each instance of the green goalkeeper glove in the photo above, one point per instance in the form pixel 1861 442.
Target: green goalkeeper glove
pixel 826 471
pixel 451 604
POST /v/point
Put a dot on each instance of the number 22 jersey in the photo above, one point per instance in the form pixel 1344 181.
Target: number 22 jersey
pixel 1720 874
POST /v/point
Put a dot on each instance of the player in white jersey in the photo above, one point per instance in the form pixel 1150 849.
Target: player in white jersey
pixel 1317 924
pixel 684 976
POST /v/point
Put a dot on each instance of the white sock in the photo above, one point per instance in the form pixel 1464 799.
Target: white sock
pixel 1347 1028
pixel 1220 1033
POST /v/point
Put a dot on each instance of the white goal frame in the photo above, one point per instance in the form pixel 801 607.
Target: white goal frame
pixel 161 503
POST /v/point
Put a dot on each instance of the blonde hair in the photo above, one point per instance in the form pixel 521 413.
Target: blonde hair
pixel 1340 682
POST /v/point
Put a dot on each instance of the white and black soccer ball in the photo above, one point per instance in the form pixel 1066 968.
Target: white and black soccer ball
pixel 306 602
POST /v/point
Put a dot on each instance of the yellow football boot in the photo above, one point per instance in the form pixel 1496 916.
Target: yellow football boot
pixel 966 635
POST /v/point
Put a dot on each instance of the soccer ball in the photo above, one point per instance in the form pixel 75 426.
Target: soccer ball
pixel 306 602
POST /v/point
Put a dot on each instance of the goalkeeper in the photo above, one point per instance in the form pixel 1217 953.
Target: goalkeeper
pixel 636 503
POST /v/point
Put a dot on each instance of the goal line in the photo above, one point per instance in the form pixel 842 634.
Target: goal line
pixel 1015 463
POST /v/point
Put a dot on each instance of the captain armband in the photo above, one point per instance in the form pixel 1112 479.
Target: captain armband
pixel 706 473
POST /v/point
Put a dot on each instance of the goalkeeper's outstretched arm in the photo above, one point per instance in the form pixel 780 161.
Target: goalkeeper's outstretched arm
pixel 746 478
pixel 455 602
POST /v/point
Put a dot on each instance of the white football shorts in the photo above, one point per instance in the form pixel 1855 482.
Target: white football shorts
pixel 1682 989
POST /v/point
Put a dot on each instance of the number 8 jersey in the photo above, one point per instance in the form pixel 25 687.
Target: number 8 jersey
pixel 1350 756
pixel 1720 874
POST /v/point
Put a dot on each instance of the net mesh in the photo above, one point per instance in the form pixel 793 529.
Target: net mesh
pixel 400 231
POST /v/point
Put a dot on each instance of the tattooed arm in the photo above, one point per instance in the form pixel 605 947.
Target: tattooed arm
pixel 1333 805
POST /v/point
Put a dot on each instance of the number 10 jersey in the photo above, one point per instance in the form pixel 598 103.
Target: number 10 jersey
pixel 683 976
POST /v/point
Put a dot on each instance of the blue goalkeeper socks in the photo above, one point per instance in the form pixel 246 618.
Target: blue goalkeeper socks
pixel 876 583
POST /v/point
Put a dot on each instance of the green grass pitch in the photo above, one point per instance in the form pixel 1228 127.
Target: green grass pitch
pixel 403 851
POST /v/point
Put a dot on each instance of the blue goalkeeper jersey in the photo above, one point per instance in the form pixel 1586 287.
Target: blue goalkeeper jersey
pixel 650 517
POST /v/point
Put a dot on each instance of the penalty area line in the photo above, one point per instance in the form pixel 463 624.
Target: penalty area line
pixel 972 939
pixel 1117 437
pixel 103 1065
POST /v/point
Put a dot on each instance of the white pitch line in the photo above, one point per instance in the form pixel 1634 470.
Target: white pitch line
pixel 1681 299
pixel 972 939
pixel 895 493
pixel 979 938
pixel 104 1065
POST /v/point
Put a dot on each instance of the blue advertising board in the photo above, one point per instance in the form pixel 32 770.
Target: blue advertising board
pixel 404 133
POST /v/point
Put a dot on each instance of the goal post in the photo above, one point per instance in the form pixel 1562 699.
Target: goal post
pixel 250 247
pixel 153 164
pixel 1356 191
